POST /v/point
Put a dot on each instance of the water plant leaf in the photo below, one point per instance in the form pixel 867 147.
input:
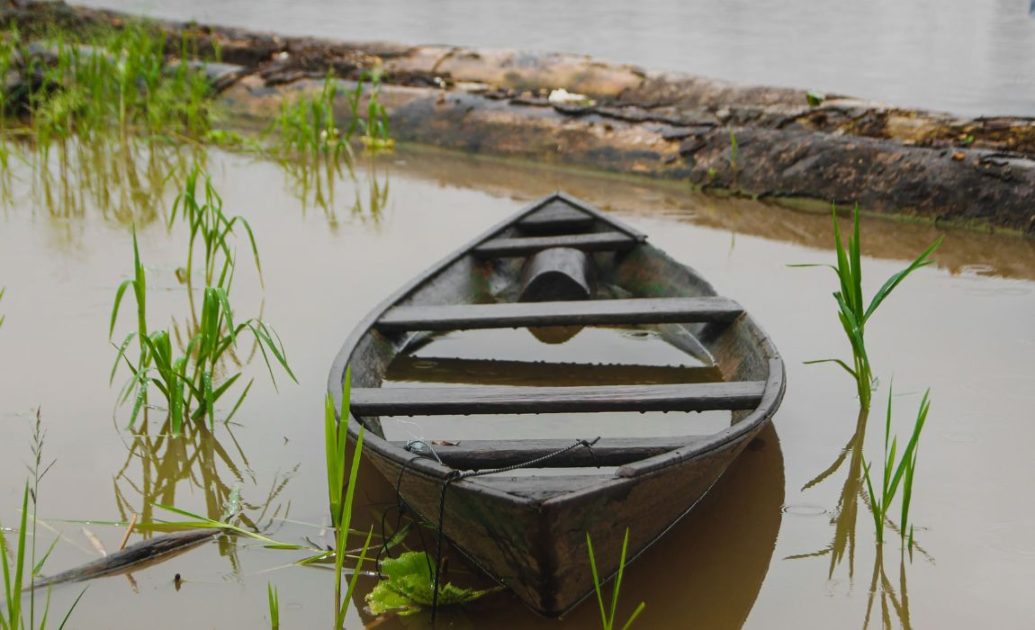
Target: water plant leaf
pixel 922 260
pixel 409 586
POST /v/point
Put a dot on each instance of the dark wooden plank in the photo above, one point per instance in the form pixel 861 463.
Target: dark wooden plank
pixel 405 401
pixel 481 454
pixel 542 374
pixel 557 217
pixel 593 242
pixel 583 313
pixel 542 487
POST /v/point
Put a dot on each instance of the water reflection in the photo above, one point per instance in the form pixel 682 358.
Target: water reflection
pixel 891 602
pixel 126 178
pixel 846 514
pixel 159 467
pixel 315 179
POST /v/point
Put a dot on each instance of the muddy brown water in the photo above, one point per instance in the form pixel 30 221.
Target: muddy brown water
pixel 962 56
pixel 963 327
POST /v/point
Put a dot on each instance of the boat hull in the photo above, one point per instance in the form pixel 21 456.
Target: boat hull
pixel 538 549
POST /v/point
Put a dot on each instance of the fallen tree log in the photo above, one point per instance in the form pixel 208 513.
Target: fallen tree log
pixel 767 142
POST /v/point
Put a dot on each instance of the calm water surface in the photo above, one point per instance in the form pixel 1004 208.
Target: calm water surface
pixel 974 57
pixel 757 552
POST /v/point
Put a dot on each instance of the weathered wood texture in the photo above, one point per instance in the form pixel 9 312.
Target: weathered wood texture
pixel 405 401
pixel 584 313
pixel 479 454
pixel 540 373
pixel 557 274
pixel 595 242
pixel 556 218
pixel 525 531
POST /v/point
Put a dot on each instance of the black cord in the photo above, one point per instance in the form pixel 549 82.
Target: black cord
pixel 456 475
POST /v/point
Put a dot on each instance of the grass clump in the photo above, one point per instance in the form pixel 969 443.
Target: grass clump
pixel 607 614
pixel 897 473
pixel 853 311
pixel 194 380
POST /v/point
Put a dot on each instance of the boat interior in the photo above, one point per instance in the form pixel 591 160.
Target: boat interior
pixel 620 354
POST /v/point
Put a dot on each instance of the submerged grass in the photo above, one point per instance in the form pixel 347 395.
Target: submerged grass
pixel 897 473
pixel 853 311
pixel 607 613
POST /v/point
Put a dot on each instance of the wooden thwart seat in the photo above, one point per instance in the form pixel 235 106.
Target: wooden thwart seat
pixel 582 313
pixel 592 242
pixel 533 373
pixel 480 454
pixel 555 218
pixel 406 401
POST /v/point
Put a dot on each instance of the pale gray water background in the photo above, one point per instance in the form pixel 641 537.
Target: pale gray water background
pixel 973 57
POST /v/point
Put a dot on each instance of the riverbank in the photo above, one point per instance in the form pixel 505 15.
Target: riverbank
pixel 780 144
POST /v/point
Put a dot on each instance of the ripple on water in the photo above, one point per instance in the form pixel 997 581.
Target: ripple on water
pixel 1016 538
pixel 804 509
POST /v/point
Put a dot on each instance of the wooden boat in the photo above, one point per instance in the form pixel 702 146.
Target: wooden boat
pixel 557 265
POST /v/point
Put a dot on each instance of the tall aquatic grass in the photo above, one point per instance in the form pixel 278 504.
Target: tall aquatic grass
pixel 192 382
pixel 897 472
pixel 853 311
pixel 101 114
pixel 607 613
pixel 22 565
pixel 211 229
pixel 341 494
pixel 306 127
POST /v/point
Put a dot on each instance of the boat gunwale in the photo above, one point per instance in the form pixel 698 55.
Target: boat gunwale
pixel 771 396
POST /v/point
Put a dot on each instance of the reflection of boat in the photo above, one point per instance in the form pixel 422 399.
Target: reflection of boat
pixel 559 263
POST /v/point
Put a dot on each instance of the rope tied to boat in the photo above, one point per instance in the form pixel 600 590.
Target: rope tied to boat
pixel 459 475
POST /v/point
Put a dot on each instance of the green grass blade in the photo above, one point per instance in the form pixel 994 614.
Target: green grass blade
pixel 877 510
pixel 119 293
pixel 334 471
pixel 71 608
pixel 596 581
pixel 921 261
pixel 274 604
pixel 636 613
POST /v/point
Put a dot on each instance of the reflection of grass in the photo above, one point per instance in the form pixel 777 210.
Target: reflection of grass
pixel 99 113
pixel 853 312
pixel 196 462
pixel 890 601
